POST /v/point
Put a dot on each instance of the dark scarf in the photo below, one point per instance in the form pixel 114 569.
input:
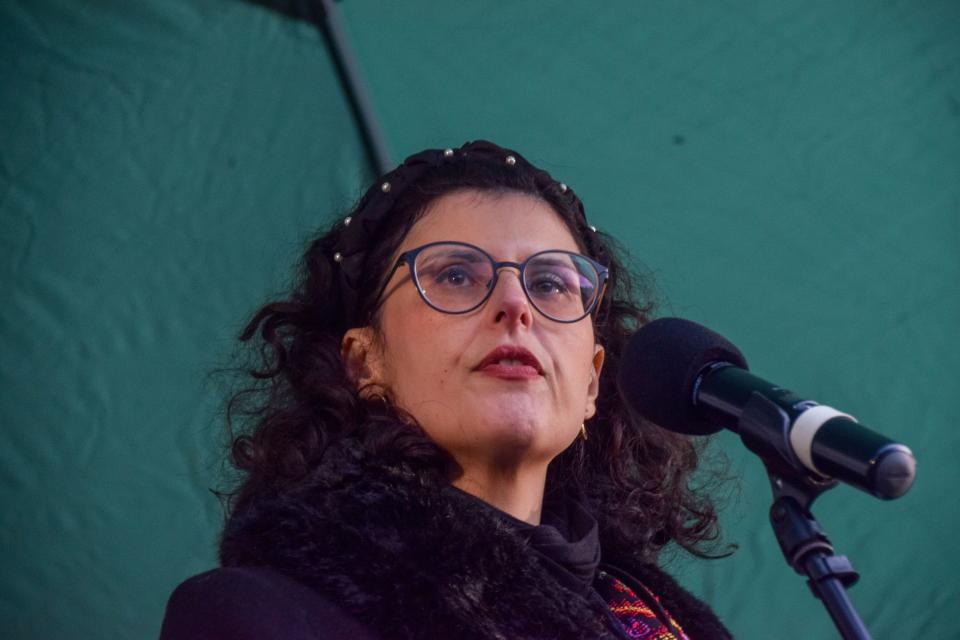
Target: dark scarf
pixel 567 539
pixel 414 560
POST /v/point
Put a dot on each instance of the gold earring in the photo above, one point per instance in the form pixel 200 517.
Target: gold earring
pixel 583 431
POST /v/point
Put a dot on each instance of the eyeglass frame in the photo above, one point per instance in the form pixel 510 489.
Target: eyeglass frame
pixel 410 258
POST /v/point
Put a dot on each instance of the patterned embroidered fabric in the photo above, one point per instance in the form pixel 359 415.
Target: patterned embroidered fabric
pixel 633 612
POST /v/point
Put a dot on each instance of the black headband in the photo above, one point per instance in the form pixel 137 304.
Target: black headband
pixel 360 229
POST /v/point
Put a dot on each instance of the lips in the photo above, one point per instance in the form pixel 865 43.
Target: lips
pixel 511 362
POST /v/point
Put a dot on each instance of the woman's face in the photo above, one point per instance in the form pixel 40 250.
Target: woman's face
pixel 498 413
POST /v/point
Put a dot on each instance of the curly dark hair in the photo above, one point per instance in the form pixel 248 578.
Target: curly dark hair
pixel 634 476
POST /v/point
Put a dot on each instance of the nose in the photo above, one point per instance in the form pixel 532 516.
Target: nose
pixel 508 301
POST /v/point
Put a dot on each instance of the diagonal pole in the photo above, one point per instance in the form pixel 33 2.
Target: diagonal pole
pixel 356 88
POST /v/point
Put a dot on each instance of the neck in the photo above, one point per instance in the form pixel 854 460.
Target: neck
pixel 516 491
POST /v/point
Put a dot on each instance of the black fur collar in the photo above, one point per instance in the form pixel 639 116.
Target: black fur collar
pixel 420 561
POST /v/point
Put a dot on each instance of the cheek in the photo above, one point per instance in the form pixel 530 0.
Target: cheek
pixel 419 356
pixel 577 348
pixel 578 364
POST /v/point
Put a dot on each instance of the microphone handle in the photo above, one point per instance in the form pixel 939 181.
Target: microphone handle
pixel 820 440
pixel 850 452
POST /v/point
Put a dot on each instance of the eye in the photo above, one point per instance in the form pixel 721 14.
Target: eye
pixel 459 275
pixel 454 276
pixel 547 283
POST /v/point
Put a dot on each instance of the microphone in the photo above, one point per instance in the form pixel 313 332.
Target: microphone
pixel 686 378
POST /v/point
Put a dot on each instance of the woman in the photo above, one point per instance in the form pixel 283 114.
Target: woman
pixel 438 448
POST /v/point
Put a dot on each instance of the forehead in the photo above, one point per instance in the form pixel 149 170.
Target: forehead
pixel 509 226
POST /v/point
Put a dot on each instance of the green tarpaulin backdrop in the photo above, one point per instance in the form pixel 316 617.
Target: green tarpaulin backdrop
pixel 790 171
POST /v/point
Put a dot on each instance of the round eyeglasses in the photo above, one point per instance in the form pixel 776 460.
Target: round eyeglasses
pixel 456 277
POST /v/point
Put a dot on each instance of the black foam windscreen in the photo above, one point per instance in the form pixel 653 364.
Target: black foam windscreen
pixel 658 369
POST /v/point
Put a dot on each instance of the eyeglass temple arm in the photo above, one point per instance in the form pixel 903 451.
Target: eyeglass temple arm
pixel 403 257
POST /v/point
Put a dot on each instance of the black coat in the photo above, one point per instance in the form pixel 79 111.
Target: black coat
pixel 365 550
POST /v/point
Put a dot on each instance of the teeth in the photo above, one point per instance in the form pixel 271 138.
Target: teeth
pixel 511 362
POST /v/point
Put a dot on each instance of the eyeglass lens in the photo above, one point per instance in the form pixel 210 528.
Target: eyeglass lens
pixel 456 278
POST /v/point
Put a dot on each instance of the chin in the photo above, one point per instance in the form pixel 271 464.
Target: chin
pixel 514 440
pixel 523 423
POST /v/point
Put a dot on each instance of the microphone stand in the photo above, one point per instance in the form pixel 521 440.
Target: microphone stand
pixel 802 540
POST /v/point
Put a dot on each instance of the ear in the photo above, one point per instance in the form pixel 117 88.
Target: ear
pixel 594 388
pixel 362 357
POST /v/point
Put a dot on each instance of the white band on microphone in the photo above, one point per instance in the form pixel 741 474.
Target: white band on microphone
pixel 805 428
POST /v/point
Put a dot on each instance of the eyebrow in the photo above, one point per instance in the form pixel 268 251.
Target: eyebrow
pixel 559 262
pixel 463 254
